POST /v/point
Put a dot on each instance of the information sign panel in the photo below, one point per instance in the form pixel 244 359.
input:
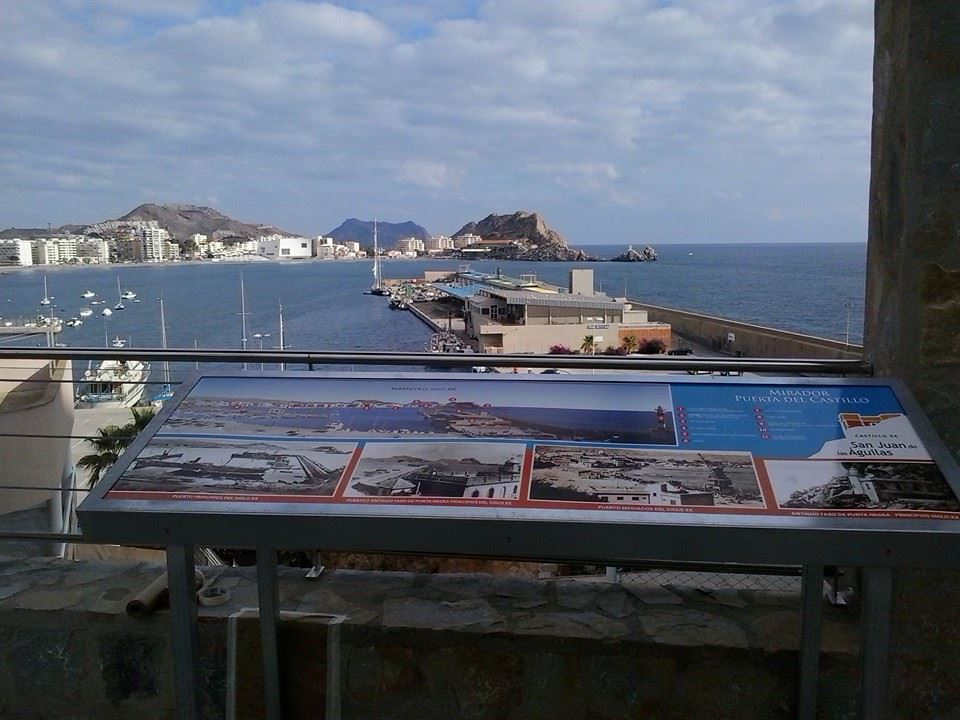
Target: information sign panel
pixel 683 451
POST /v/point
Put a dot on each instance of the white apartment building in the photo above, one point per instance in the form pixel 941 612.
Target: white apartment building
pixel 276 247
pixel 199 239
pixel 438 243
pixel 410 245
pixel 55 250
pixel 16 252
pixel 353 248
pixel 324 247
pixel 465 240
pixel 155 242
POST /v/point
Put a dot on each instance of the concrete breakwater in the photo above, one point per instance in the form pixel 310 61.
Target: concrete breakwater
pixel 739 338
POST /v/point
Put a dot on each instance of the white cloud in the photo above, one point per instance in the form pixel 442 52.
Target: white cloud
pixel 429 174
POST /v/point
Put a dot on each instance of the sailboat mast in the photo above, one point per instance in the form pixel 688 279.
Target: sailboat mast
pixel 163 344
pixel 282 365
pixel 243 318
pixel 376 256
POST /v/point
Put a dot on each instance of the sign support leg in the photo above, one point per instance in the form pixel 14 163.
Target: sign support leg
pixel 874 659
pixel 183 620
pixel 812 602
pixel 269 596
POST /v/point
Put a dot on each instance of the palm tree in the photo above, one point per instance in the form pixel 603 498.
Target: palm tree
pixel 111 441
pixel 587 345
pixel 630 343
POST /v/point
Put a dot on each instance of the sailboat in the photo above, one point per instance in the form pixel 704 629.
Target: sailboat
pixel 377 287
pixel 166 391
pixel 47 299
pixel 119 305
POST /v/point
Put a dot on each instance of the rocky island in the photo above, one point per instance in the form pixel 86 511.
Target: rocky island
pixel 648 254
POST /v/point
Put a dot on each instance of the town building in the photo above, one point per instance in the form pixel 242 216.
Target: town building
pixel 465 240
pixel 128 249
pixel 438 243
pixel 510 315
pixel 279 247
pixel 157 245
pixel 410 245
pixel 93 251
pixel 55 250
pixel 16 252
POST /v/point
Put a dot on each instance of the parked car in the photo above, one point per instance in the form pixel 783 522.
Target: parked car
pixel 680 351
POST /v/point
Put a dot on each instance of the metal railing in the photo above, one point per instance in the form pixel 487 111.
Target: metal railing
pixel 311 359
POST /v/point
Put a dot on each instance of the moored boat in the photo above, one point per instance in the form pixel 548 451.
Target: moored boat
pixel 114 384
pixel 377 287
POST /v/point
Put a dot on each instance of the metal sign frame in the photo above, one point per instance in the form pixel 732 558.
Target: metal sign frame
pixel 542 533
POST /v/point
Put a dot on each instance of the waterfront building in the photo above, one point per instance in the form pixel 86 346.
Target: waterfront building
pixel 465 240
pixel 438 243
pixel 156 244
pixel 199 239
pixel 128 249
pixel 93 251
pixel 278 247
pixel 16 252
pixel 55 250
pixel 410 245
pixel 509 315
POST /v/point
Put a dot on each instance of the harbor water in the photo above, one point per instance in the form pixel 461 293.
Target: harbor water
pixel 810 288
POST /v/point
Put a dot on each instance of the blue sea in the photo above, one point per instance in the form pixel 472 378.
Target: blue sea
pixel 810 288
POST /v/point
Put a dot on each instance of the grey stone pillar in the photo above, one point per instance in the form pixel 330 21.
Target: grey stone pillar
pixel 913 301
pixel 913 261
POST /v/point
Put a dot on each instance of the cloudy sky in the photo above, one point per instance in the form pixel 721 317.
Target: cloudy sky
pixel 620 120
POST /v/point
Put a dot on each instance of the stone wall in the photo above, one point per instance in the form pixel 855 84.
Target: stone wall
pixel 715 333
pixel 913 301
pixel 421 646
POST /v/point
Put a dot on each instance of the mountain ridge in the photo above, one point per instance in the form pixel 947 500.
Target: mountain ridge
pixel 183 220
pixel 361 231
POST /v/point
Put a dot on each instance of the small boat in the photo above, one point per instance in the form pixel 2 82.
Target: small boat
pixel 106 312
pixel 96 302
pixel 128 295
pixel 85 312
pixel 119 306
pixel 74 322
pixel 87 294
pixel 114 384
pixel 118 342
pixel 398 304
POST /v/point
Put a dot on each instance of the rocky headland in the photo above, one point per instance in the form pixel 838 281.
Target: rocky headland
pixel 523 236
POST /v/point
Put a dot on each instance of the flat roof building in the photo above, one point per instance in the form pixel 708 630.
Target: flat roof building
pixel 524 315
